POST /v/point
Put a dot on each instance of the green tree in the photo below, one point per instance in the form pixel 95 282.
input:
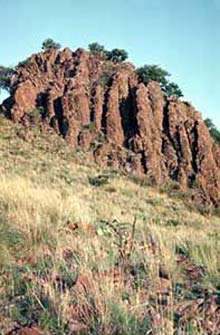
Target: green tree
pixel 173 90
pixel 149 73
pixel 50 44
pixel 97 49
pixel 117 55
pixel 5 77
pixel 214 132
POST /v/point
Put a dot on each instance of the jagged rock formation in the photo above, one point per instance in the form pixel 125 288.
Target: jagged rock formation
pixel 100 106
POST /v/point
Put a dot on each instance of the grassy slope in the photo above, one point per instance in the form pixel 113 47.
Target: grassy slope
pixel 102 254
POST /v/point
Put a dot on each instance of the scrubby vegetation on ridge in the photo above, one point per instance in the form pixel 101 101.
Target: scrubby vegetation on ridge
pixel 145 73
pixel 49 43
pixel 148 73
pixel 5 77
pixel 90 251
pixel 214 132
pixel 115 55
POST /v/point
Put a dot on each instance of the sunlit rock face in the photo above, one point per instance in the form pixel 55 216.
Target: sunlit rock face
pixel 101 107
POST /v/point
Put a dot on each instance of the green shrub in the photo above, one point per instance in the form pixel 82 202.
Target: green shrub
pixel 149 73
pixel 97 49
pixel 105 79
pixel 5 77
pixel 49 43
pixel 214 132
pixel 117 55
pixel 99 180
pixel 173 90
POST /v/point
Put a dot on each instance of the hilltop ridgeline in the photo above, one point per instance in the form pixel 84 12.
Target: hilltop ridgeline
pixel 102 107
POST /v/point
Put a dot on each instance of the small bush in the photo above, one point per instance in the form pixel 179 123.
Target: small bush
pixel 97 49
pixel 99 180
pixel 214 132
pixel 149 73
pixel 49 43
pixel 105 79
pixel 173 90
pixel 117 55
pixel 5 77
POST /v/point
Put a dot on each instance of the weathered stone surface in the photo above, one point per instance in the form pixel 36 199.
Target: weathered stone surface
pixel 100 106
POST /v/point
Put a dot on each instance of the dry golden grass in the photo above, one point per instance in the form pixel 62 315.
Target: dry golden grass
pixel 88 258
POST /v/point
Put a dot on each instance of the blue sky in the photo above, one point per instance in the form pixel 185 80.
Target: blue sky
pixel 181 36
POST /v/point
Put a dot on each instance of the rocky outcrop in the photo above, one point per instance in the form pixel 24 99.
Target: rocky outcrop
pixel 100 106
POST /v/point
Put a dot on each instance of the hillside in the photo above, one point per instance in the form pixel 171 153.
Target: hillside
pixel 104 108
pixel 92 250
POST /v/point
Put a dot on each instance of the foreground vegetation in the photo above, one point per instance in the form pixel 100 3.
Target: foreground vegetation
pixel 90 251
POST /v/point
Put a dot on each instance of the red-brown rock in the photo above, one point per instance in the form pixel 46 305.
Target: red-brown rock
pixel 100 106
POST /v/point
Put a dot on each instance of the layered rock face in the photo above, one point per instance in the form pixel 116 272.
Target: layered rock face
pixel 101 107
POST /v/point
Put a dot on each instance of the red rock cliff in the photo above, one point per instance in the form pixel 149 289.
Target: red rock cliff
pixel 100 106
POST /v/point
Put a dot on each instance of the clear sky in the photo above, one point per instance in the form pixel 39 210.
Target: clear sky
pixel 181 36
